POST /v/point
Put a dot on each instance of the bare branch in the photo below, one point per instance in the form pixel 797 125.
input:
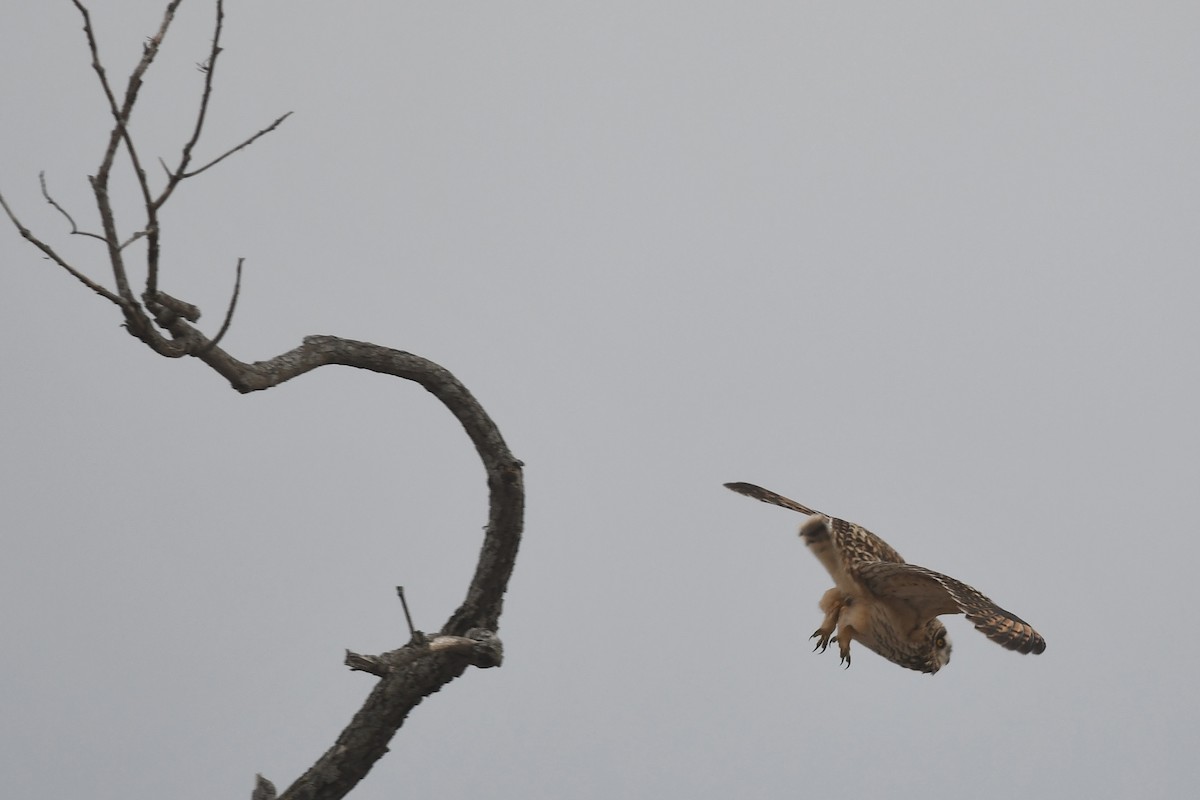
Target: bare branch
pixel 482 605
pixel 241 146
pixel 56 258
pixel 407 617
pixel 237 288
pixel 98 67
pixel 136 320
pixel 133 238
pixel 208 68
pixel 108 220
pixel 175 176
pixel 63 211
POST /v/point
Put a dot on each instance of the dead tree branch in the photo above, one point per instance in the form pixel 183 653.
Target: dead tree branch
pixel 54 203
pixel 236 148
pixel 55 257
pixel 168 326
pixel 237 289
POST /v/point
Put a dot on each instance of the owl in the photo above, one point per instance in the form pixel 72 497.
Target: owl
pixel 890 606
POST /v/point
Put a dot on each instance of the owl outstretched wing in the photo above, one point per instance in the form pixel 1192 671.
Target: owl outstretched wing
pixel 932 593
pixel 853 542
pixel 767 496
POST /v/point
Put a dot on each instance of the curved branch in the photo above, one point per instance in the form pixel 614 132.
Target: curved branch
pixel 506 492
pixel 423 666
pixel 482 605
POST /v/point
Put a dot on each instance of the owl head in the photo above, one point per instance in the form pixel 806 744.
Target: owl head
pixel 935 652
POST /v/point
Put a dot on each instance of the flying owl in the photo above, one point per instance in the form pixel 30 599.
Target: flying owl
pixel 889 606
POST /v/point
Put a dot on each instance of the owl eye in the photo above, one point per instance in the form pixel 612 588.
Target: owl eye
pixel 940 642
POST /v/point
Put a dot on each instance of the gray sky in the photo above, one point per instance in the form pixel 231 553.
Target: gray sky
pixel 928 267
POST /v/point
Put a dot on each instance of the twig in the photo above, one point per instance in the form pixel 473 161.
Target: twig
pixel 233 150
pixel 133 238
pixel 237 288
pixel 209 70
pixel 56 258
pixel 63 211
pixel 412 631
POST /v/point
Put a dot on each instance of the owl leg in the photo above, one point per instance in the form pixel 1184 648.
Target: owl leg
pixel 832 604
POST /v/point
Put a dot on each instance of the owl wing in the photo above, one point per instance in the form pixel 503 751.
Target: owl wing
pixel 854 542
pixel 932 593
pixel 767 496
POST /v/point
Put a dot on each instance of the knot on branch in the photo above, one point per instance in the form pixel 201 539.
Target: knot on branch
pixel 167 309
pixel 479 648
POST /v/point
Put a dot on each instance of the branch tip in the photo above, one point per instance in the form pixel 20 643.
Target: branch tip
pixel 263 789
pixel 237 288
pixel 412 631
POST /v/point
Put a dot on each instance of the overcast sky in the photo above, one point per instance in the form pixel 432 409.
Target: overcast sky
pixel 930 267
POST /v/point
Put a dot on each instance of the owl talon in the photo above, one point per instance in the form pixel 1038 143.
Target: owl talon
pixel 823 638
pixel 843 639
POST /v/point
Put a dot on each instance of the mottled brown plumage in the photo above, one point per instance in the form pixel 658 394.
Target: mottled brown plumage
pixel 890 606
